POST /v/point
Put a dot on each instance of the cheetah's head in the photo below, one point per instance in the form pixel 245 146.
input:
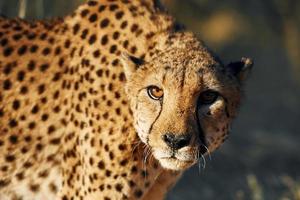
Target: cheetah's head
pixel 183 100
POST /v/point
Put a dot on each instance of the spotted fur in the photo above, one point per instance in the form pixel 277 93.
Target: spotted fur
pixel 72 105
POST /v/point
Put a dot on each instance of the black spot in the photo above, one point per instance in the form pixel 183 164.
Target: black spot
pixel 21 76
pixel 44 117
pixel 133 50
pixel 34 187
pixel 35 109
pixel 23 90
pixel 46 51
pixel 24 150
pixel 16 104
pixel 4 42
pixel 43 36
pixel 101 187
pixel 4 169
pixel 31 125
pixel 134 170
pixel 27 138
pixel 134 27
pixel 119 187
pixel 7 69
pixel 56 109
pixel 124 25
pixel 61 62
pixel 57 50
pixel 22 50
pixel 76 29
pixel 13 139
pixel 92 3
pixel 8 51
pixel 17 37
pixel 7 84
pixel 113 7
pixel 104 40
pixel 44 67
pixel 55 141
pixel 101 165
pixel 84 12
pixel 93 18
pixel 116 35
pixel 41 88
pixel 67 44
pixel 96 53
pixel 108 173
pixel 99 73
pixel 84 33
pixel 115 62
pixel 113 49
pixel 104 23
pixel 101 8
pixel 144 173
pixel 20 176
pixel 124 162
pixel 92 39
pixel 10 158
pixel 33 48
pixel 31 36
pixel 122 147
pixel 44 100
pixel 138 193
pixel 51 129
pixel 65 197
pixel 31 65
pixel 23 117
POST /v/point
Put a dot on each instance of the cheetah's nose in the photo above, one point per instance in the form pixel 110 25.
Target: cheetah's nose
pixel 176 141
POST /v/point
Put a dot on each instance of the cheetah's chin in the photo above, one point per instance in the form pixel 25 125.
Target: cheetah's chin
pixel 175 160
pixel 175 164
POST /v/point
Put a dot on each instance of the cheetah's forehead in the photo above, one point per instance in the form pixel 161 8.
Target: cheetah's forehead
pixel 184 50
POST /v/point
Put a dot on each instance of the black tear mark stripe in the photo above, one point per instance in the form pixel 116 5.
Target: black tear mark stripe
pixel 151 127
pixel 201 132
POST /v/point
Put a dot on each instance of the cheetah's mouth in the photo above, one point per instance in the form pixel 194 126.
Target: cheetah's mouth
pixel 178 160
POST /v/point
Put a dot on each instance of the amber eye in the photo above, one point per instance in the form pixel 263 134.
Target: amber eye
pixel 155 92
pixel 208 97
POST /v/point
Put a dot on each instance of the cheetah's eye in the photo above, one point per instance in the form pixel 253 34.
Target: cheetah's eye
pixel 208 97
pixel 155 92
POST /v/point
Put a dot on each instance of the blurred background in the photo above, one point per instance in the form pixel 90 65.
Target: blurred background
pixel 261 159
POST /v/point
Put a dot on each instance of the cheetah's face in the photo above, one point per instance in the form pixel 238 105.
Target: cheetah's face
pixel 183 102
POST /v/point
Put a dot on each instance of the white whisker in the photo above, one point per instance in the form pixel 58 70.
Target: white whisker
pixel 204 161
pixel 207 150
pixel 199 162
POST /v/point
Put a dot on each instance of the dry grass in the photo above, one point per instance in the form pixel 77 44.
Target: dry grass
pixel 291 192
pixel 293 188
pixel 255 188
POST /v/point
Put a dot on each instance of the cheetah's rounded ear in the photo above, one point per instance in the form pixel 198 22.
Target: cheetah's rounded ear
pixel 241 69
pixel 130 64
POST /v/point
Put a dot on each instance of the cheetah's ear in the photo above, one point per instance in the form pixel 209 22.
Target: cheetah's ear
pixel 241 69
pixel 130 64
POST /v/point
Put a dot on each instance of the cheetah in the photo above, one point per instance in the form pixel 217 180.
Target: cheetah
pixel 114 101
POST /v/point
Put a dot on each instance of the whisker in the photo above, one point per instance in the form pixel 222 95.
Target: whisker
pixel 134 148
pixel 204 161
pixel 146 153
pixel 207 150
pixel 199 162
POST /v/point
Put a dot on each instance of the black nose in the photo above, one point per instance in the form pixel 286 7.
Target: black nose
pixel 176 141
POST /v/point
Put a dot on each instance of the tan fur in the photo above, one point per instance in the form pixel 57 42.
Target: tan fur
pixel 75 118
